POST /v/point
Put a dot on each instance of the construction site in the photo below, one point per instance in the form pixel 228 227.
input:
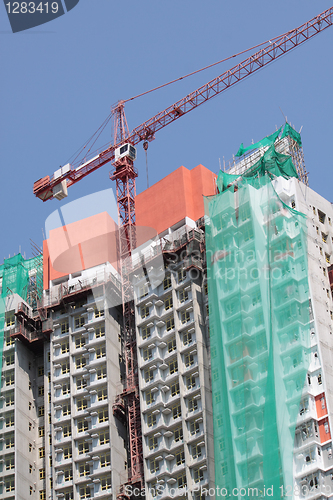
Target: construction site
pixel 183 351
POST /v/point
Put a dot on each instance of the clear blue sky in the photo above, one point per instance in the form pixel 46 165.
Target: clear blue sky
pixel 59 81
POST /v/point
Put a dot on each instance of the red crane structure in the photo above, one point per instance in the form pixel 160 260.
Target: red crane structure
pixel 124 174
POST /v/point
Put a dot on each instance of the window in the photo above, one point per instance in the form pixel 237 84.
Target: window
pixel 104 437
pixel 198 475
pixel 151 420
pixel 10 318
pixel 143 291
pixel 144 312
pixel 173 366
pixel 10 378
pixel 10 483
pixel 181 275
pixel 103 415
pixel 68 474
pixel 84 469
pixel 41 390
pixel 30 405
pixel 42 452
pixel 98 313
pixel 170 323
pixel 105 483
pixel 175 389
pixel 9 340
pixel 41 431
pixel 66 431
pixel 81 383
pixel 149 375
pixel 185 317
pixel 172 345
pixel 100 331
pixel 66 409
pixel 65 389
pixel 178 434
pixel 9 441
pixel 183 295
pixel 30 447
pixel 81 404
pixel 190 382
pixel 326 427
pixel 192 404
pixel 80 362
pixel 319 379
pixel 145 332
pixel 67 452
pixel 154 465
pixel 102 394
pixel 196 451
pixel 65 367
pixel 101 372
pixel 10 462
pixel 152 442
pixel 82 425
pixel 321 216
pixel 79 322
pixel 194 427
pixel 41 473
pixel 42 494
pixel 105 460
pixel 167 281
pixel 10 398
pixel 168 302
pixel 181 481
pixel 149 397
pixel 9 419
pixel 40 411
pixel 189 360
pixel 147 353
pixel 85 492
pixel 64 347
pixel 180 457
pixel 68 495
pixel 327 258
pixel 176 411
pixel 100 352
pixel 83 448
pixel 10 359
pixel 65 326
pixel 80 342
pixel 324 237
pixel 48 356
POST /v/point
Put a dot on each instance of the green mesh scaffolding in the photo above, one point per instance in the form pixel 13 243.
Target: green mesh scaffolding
pixel 259 331
pixel 16 277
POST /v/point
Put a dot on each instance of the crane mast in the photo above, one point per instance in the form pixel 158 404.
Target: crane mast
pixel 125 174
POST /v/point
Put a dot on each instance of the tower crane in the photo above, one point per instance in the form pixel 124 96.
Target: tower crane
pixel 122 155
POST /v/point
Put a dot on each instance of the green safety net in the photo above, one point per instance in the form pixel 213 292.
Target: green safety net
pixel 270 139
pixel 272 164
pixel 259 333
pixel 14 277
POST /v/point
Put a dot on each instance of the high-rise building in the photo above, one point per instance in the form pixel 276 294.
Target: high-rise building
pixel 234 353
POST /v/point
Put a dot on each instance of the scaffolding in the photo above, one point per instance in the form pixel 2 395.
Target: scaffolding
pixel 24 278
pixel 256 250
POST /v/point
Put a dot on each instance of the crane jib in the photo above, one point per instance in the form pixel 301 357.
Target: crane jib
pixel 43 188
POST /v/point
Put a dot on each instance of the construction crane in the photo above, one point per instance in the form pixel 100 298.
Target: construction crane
pixel 122 155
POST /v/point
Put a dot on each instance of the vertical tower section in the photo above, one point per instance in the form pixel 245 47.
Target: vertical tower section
pixel 124 175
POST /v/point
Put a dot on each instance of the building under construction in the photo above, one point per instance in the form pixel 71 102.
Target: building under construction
pixel 230 369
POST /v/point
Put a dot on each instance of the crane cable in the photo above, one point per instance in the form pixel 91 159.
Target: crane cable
pixel 106 121
pixel 207 67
